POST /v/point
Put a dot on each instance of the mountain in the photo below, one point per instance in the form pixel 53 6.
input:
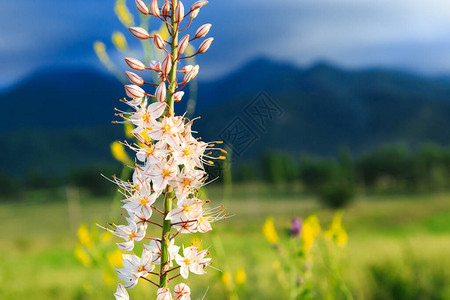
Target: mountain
pixel 324 107
pixel 61 117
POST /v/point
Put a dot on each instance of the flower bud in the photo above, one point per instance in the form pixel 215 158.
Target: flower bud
pixel 198 4
pixel 205 45
pixel 140 33
pixel 161 92
pixel 178 96
pixel 163 294
pixel 184 42
pixel 202 31
pixel 134 79
pixel 135 64
pixel 165 10
pixel 194 13
pixel 162 77
pixel 142 7
pixel 133 91
pixel 155 66
pixel 179 12
pixel 191 74
pixel 187 69
pixel 158 41
pixel 167 64
pixel 181 291
pixel 154 8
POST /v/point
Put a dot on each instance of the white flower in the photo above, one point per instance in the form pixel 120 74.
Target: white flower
pixel 209 216
pixel 155 248
pixel 142 200
pixel 161 173
pixel 140 218
pixel 130 233
pixel 168 130
pixel 182 292
pixel 192 261
pixel 187 181
pixel 151 154
pixel 135 267
pixel 189 154
pixel 163 294
pixel 145 117
pixel 188 209
pixel 121 293
pixel 203 224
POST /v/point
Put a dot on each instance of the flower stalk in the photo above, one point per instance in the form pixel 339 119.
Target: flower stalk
pixel 169 163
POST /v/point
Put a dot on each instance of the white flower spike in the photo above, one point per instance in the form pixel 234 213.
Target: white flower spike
pixel 169 166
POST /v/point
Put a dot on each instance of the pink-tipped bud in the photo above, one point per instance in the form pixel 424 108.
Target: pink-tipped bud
pixel 184 42
pixel 134 79
pixel 202 31
pixel 165 10
pixel 166 64
pixel 163 294
pixel 205 45
pixel 140 33
pixel 135 64
pixel 191 74
pixel 155 66
pixel 187 69
pixel 133 91
pixel 178 96
pixel 194 13
pixel 142 8
pixel 160 93
pixel 179 13
pixel 198 4
pixel 154 8
pixel 158 41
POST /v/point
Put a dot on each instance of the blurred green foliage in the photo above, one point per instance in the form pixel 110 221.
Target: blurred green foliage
pixel 412 278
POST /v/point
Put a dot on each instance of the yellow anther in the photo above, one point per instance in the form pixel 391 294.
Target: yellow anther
pixel 222 157
pixel 223 151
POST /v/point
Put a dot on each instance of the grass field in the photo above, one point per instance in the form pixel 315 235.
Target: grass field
pixel 38 236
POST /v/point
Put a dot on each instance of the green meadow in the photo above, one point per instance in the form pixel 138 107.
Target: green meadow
pixel 397 247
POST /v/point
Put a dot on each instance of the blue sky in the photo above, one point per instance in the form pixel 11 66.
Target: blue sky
pixel 403 34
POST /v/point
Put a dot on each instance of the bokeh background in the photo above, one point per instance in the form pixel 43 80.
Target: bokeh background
pixel 335 115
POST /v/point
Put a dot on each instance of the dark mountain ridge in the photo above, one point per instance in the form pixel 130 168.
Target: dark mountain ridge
pixel 321 109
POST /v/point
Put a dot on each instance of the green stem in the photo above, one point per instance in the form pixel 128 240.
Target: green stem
pixel 165 239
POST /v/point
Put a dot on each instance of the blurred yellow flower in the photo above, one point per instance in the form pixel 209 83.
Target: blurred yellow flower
pixel 100 51
pixel 108 278
pixel 269 231
pixel 241 276
pixel 162 32
pixel 276 265
pixel 114 258
pixel 81 255
pixel 190 50
pixel 310 231
pixel 119 153
pixel 341 239
pixel 227 280
pixel 84 236
pixel 336 232
pixel 123 14
pixel 105 237
pixel 128 128
pixel 196 242
pixel 119 41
